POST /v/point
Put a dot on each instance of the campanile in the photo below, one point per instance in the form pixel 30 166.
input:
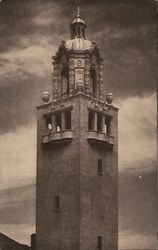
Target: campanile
pixel 77 152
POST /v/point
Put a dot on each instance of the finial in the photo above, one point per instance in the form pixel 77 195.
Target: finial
pixel 78 11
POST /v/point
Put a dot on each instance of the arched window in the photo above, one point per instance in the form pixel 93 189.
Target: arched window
pixel 65 81
pixel 93 82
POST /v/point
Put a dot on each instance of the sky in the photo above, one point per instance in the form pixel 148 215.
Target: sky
pixel 125 31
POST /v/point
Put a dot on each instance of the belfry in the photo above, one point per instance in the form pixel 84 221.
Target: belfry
pixel 77 152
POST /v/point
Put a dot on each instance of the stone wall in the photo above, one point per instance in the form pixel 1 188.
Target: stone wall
pixel 88 201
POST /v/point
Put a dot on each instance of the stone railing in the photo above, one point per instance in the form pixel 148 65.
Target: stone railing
pixel 95 136
pixel 57 136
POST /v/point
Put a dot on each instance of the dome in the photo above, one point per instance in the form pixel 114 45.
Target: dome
pixel 78 43
pixel 78 20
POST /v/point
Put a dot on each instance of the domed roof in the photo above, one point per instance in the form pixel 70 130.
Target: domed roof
pixel 78 43
pixel 78 20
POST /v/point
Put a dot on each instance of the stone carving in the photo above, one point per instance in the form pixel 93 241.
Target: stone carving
pixel 61 105
pixel 63 59
pixel 93 60
pixel 95 105
pixel 79 63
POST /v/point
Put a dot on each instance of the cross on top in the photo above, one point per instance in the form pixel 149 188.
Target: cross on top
pixel 78 11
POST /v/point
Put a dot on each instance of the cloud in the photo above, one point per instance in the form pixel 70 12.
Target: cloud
pixel 17 212
pixel 137 130
pixel 126 34
pixel 18 157
pixel 47 13
pixel 138 207
pixel 34 59
pixel 17 205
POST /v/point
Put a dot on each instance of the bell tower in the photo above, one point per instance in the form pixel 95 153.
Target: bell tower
pixel 77 152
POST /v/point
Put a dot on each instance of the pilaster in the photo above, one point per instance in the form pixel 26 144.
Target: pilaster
pixel 87 76
pixel 55 83
pixel 71 77
pixel 101 81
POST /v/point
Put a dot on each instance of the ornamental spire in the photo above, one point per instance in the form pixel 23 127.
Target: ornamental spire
pixel 78 11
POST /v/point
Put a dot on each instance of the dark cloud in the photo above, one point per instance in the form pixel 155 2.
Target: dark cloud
pixel 18 102
pixel 124 30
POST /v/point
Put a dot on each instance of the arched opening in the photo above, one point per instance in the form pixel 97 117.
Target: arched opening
pixel 90 121
pixel 74 32
pixel 58 122
pixel 99 123
pixel 93 82
pixel 79 31
pixel 65 81
pixel 83 32
pixel 108 126
pixel 49 122
pixel 68 119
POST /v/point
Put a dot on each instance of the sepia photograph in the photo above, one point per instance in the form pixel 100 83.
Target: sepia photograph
pixel 78 124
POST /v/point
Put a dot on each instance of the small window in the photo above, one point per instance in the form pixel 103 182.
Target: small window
pixel 57 202
pixel 49 122
pixel 58 122
pixel 100 169
pixel 99 123
pixel 90 121
pixel 68 120
pixel 99 242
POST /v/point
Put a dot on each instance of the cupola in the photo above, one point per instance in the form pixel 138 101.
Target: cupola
pixel 78 26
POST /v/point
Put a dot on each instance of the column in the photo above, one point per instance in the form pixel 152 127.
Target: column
pixel 87 76
pixel 110 127
pixel 103 124
pixel 95 121
pixel 53 123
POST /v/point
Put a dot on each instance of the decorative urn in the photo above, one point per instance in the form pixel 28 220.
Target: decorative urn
pixel 109 98
pixel 45 96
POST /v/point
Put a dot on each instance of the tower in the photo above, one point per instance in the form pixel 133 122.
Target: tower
pixel 77 152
